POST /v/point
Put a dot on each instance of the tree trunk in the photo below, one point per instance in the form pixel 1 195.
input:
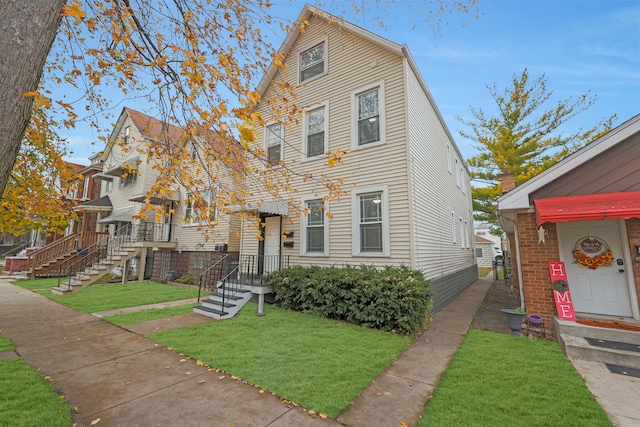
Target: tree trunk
pixel 29 29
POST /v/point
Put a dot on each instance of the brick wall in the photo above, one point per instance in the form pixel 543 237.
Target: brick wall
pixel 15 264
pixel 633 230
pixel 183 262
pixel 535 269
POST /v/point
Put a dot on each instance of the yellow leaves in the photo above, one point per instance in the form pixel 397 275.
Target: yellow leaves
pixel 73 9
pixel 96 421
pixel 247 134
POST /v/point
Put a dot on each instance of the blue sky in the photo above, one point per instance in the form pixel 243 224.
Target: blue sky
pixel 581 46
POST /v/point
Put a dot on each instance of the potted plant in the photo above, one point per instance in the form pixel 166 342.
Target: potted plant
pixel 515 318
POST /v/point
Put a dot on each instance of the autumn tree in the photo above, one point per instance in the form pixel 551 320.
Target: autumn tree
pixel 197 61
pixel 526 137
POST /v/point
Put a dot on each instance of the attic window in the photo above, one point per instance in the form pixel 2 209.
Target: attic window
pixel 127 132
pixel 313 62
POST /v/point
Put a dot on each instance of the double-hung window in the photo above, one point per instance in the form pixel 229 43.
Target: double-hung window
pixel 313 62
pixel 370 222
pixel 316 132
pixel 369 120
pixel 199 208
pixel 315 230
pixel 274 144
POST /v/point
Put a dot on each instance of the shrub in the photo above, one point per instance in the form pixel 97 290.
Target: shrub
pixel 392 299
pixel 185 280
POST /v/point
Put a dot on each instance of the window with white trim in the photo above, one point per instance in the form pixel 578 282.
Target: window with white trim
pixel 370 210
pixel 273 143
pixel 85 188
pixel 315 227
pixel 108 186
pixel 463 180
pixel 453 227
pixel 130 179
pixel 449 157
pixel 368 116
pixel 457 172
pixel 316 132
pixel 127 133
pixel 198 210
pixel 466 234
pixel 462 243
pixel 313 62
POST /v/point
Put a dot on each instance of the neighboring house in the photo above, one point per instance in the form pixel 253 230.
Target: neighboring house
pixel 408 198
pixel 484 230
pixel 130 170
pixel 485 252
pixel 575 212
pixel 164 243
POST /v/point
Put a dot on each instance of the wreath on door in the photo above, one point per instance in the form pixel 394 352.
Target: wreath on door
pixel 592 252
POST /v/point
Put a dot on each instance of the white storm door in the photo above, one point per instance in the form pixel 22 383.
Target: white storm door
pixel 604 290
pixel 271 244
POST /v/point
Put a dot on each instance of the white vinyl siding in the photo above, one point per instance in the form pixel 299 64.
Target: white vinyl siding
pixel 437 203
pixel 351 70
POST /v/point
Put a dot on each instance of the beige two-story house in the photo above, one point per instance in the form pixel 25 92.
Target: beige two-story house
pixel 405 198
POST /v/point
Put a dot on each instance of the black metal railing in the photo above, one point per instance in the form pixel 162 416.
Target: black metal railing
pixel 208 279
pixel 79 267
pixel 14 250
pixel 247 271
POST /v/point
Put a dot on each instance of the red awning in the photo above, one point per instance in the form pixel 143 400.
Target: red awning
pixel 590 207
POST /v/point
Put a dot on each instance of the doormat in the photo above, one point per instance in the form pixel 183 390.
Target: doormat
pixel 623 370
pixel 613 344
pixel 608 324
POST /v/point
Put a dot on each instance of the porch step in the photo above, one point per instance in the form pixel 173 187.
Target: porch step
pixel 612 346
pixel 209 312
pixel 219 295
pixel 216 302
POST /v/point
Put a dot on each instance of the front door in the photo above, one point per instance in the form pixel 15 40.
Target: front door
pixel 604 289
pixel 271 260
pixel 166 223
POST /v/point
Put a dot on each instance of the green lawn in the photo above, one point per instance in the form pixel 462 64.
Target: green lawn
pixel 500 380
pixel 319 363
pixel 121 295
pixel 5 343
pixel 483 271
pixel 36 283
pixel 146 315
pixel 28 400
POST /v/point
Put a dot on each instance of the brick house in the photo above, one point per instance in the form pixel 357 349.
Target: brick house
pixel 585 212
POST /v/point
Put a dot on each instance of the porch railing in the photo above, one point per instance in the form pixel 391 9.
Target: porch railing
pixel 62 247
pixel 110 246
pixel 236 275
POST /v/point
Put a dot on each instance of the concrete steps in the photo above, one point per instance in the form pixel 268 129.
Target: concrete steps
pixel 573 337
pixel 214 308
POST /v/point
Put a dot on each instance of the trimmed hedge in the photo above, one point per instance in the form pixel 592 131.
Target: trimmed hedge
pixel 395 299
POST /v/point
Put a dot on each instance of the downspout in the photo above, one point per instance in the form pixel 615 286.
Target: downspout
pixel 520 283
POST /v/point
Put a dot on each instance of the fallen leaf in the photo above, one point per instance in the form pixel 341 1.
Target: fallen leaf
pixel 323 416
pixel 61 397
pixel 201 382
pixel 183 360
pixel 221 377
pixel 94 422
pixel 261 392
pixel 199 363
pixel 188 372
pixel 378 393
pixel 600 340
pixel 128 382
pixel 75 409
pixel 64 338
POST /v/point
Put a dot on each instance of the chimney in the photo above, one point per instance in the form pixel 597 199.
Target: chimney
pixel 508 180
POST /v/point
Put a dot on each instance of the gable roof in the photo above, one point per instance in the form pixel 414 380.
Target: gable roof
pixel 480 239
pixel 518 198
pixel 400 50
pixel 149 127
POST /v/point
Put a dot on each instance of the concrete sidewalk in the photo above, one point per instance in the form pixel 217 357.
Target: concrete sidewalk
pixel 124 379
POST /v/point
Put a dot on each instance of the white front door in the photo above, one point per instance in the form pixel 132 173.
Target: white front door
pixel 605 289
pixel 271 244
